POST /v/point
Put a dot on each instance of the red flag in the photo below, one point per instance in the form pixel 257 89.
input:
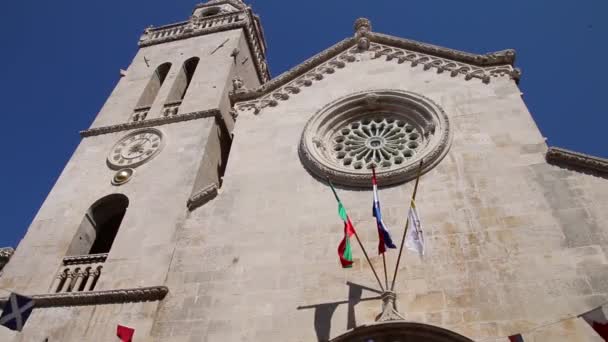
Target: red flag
pixel 125 333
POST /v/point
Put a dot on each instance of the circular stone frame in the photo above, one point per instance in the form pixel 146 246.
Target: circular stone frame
pixel 153 131
pixel 400 331
pixel 427 118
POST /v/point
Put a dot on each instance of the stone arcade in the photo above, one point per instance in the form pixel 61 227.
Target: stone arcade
pixel 207 218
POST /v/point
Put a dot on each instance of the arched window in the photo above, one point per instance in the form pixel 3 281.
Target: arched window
pixel 182 81
pixel 152 88
pixel 99 226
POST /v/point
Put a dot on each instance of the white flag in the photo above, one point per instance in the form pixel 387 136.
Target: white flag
pixel 414 240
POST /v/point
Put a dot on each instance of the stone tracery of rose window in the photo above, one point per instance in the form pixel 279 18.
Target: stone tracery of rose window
pixel 390 130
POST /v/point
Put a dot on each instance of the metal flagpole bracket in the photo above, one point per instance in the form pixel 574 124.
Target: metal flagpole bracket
pixel 389 308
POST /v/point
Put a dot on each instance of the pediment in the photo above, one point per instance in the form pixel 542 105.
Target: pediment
pixel 390 49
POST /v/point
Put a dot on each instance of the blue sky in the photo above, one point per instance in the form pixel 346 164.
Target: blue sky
pixel 61 60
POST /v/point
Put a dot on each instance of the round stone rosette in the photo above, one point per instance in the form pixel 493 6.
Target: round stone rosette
pixel 391 130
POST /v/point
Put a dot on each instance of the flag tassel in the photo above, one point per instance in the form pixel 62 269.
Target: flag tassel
pixel 407 223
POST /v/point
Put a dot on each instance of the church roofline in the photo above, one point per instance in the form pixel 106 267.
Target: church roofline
pixel 577 161
pixel 493 59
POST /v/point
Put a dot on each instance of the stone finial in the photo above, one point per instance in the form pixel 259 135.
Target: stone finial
pixel 362 25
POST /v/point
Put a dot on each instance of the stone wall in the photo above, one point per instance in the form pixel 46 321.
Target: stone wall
pixel 514 243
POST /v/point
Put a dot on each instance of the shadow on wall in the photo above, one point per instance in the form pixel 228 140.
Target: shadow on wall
pixel 325 311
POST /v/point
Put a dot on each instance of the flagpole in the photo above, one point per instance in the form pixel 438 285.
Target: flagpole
pixel 359 241
pixel 368 261
pixel 383 254
pixel 385 272
pixel 407 223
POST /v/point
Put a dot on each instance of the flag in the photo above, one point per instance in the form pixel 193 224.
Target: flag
pixel 516 338
pixel 415 237
pixel 16 311
pixel 383 235
pixel 344 248
pixel 125 333
pixel 597 320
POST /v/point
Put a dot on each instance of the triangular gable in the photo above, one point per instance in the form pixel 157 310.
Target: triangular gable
pixel 392 49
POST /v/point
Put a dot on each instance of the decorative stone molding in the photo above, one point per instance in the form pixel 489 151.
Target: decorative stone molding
pixel 442 64
pixel 197 26
pixel 203 196
pixel 483 67
pixel 400 331
pixel 579 161
pixel 389 308
pixel 150 123
pixel 312 75
pixel 84 259
pixel 5 255
pixel 391 130
pixel 143 294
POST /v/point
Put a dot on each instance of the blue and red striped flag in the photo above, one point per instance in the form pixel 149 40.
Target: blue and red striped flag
pixel 383 235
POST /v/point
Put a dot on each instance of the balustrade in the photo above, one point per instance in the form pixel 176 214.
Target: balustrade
pixel 171 108
pixel 139 114
pixel 79 273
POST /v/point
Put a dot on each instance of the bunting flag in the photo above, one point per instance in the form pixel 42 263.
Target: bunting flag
pixel 385 240
pixel 16 311
pixel 415 237
pixel 125 333
pixel 516 338
pixel 344 249
pixel 597 320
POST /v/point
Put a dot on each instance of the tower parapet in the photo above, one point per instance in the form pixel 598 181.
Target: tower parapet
pixel 216 16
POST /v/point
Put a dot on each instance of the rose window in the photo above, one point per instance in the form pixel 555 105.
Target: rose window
pixel 390 130
pixel 382 142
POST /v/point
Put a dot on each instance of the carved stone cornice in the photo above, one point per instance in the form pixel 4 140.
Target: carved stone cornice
pixel 85 259
pixel 236 3
pixel 6 253
pixel 203 196
pixel 143 294
pixel 430 57
pixel 579 161
pixel 197 26
pixel 150 123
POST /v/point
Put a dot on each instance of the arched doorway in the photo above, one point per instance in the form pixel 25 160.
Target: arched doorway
pixel 400 331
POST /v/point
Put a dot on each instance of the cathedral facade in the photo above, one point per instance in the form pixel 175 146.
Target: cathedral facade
pixel 197 205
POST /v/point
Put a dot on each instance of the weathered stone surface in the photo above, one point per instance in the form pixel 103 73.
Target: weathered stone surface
pixel 513 243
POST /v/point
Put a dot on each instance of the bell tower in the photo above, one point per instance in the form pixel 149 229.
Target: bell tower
pixel 98 251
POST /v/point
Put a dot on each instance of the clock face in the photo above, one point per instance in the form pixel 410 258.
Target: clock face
pixel 135 149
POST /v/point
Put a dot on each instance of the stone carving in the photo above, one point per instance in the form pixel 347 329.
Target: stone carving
pixel 238 86
pixel 85 259
pixel 347 137
pixel 150 123
pixel 585 162
pixel 5 255
pixel 203 196
pixel 389 308
pixel 197 26
pixel 442 64
pixel 483 67
pixel 6 252
pixel 362 27
pixel 380 141
pixel 143 294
